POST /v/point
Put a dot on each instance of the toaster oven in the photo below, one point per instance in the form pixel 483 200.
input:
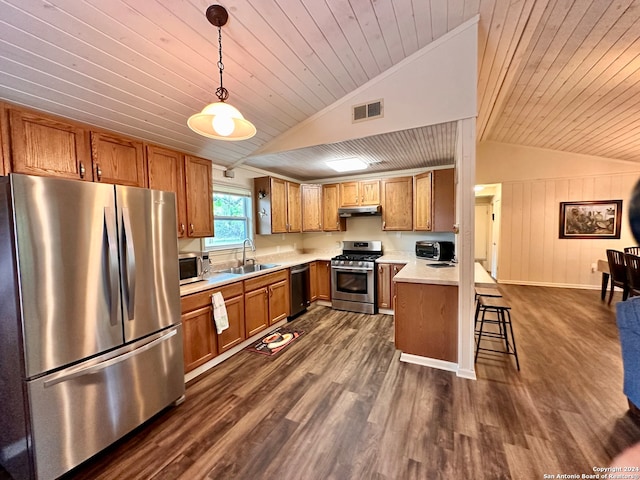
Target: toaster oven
pixel 439 251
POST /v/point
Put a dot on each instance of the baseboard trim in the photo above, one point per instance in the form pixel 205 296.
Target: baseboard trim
pixel 468 374
pixel 546 284
pixel 429 362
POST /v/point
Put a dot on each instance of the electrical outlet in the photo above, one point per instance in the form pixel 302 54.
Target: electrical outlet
pixel 594 267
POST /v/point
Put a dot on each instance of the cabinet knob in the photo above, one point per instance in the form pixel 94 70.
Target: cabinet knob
pixel 99 173
pixel 191 228
pixel 82 170
pixel 384 224
pixel 182 229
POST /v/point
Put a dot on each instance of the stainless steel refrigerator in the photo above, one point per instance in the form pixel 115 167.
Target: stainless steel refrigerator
pixel 90 333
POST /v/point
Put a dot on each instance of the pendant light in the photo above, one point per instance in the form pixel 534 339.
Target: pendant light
pixel 220 120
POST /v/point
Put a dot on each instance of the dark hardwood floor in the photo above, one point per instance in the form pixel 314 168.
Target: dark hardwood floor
pixel 337 404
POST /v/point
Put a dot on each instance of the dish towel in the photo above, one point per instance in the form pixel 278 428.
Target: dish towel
pixel 219 312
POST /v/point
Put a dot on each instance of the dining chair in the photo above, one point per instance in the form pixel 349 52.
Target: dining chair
pixel 618 272
pixel 632 250
pixel 632 263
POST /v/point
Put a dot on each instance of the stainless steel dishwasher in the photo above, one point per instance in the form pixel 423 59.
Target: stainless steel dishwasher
pixel 299 289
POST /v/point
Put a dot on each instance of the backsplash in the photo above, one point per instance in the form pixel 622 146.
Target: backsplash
pixel 358 228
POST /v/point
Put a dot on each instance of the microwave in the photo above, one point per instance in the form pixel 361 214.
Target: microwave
pixel 439 251
pixel 193 266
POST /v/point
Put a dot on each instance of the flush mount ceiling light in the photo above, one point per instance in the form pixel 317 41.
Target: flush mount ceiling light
pixel 347 164
pixel 220 120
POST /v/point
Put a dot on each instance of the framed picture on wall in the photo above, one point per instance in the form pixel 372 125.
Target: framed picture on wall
pixel 596 219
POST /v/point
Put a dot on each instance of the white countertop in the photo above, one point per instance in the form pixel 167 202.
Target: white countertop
pixel 419 271
pixel 219 279
pixel 415 271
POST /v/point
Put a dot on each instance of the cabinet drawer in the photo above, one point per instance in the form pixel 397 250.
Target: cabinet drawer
pixel 201 299
pixel 264 280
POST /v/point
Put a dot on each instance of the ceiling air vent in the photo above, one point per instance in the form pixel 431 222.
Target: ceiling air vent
pixel 367 111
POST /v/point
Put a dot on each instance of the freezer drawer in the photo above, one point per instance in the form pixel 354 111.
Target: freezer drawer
pixel 77 412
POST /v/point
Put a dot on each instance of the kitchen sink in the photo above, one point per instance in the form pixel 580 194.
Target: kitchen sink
pixel 248 268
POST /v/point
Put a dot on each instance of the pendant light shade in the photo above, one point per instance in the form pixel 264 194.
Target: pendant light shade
pixel 220 120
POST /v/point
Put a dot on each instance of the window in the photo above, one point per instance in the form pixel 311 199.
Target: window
pixel 231 220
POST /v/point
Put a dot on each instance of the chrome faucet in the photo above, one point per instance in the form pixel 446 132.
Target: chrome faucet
pixel 244 251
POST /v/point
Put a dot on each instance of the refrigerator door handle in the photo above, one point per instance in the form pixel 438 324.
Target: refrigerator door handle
pixel 91 369
pixel 131 263
pixel 112 262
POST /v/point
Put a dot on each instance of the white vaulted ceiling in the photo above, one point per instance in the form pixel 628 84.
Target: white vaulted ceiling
pixel 559 74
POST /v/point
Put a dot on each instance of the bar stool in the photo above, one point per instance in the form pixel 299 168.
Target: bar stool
pixel 485 292
pixel 503 319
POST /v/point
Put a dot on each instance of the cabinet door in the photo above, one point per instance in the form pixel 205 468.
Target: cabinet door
pixel 294 220
pixel 331 222
pixel 199 197
pixel 422 202
pixel 117 160
pixel 444 201
pixel 349 194
pixel 278 206
pixel 324 280
pixel 369 192
pixel 313 281
pixel 311 208
pixel 235 334
pixel 279 307
pixel 44 146
pixel 384 285
pixel 256 307
pixel 397 203
pixel 395 268
pixel 199 339
pixel 166 172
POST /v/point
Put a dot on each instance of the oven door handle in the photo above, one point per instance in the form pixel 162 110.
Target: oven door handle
pixel 353 269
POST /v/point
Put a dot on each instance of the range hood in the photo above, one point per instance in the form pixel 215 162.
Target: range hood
pixel 364 211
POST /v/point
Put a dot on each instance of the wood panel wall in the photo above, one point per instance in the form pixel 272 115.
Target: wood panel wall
pixel 530 251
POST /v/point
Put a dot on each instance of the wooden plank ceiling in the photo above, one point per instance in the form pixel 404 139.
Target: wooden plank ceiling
pixel 559 74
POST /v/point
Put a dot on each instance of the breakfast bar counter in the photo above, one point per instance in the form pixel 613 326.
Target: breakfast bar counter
pixel 439 273
pixel 426 312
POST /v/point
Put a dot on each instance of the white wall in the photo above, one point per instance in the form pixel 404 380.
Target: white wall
pixel 534 182
pixel 436 84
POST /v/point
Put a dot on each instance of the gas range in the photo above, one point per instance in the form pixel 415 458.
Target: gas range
pixel 358 254
pixel 353 281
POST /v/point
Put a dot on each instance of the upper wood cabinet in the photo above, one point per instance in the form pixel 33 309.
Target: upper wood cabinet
pixel 444 200
pixel 118 160
pixel 331 221
pixel 364 192
pixel 198 197
pixel 166 172
pixel 42 145
pixel 434 201
pixel 294 210
pixel 397 203
pixel 311 208
pixel 422 202
pixel 278 206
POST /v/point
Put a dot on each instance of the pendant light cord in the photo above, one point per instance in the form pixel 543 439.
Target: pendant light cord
pixel 221 92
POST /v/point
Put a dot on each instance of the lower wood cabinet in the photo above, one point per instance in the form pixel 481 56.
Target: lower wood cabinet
pixel 426 320
pixel 201 340
pixel 235 334
pixel 313 281
pixel 324 280
pixel 386 290
pixel 256 304
pixel 266 301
